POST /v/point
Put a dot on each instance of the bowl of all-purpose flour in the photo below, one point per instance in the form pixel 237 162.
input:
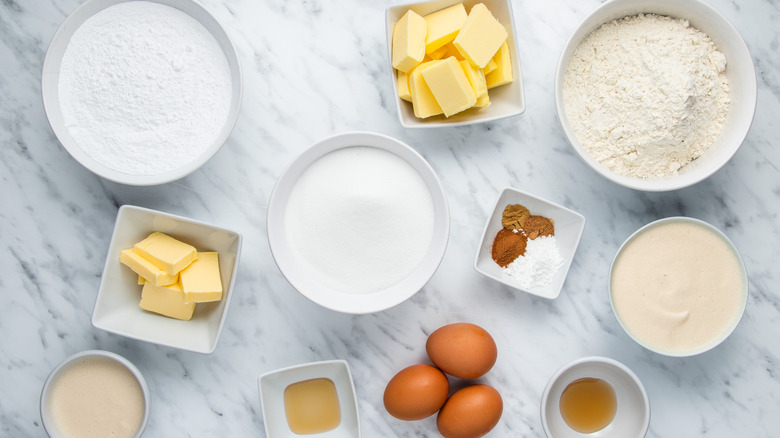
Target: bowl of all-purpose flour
pixel 141 92
pixel 358 223
pixel 655 95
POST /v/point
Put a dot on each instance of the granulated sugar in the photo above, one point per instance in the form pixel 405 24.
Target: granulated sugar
pixel 144 88
pixel 359 220
pixel 537 267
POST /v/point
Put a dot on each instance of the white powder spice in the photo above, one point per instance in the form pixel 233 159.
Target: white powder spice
pixel 144 88
pixel 646 94
pixel 359 220
pixel 538 266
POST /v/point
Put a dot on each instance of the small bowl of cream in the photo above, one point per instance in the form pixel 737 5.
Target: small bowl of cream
pixel 95 393
pixel 678 286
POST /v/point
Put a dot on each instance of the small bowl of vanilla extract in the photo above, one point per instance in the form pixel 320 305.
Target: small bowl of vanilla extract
pixel 595 396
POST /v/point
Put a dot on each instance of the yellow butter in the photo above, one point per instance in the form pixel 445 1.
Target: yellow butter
pixel 476 78
pixel 449 86
pixel 201 281
pixel 145 268
pixel 439 53
pixel 481 36
pixel 402 85
pixel 443 26
pixel 423 102
pixel 483 101
pixel 166 300
pixel 141 280
pixel 409 41
pixel 503 73
pixel 165 252
pixel 491 65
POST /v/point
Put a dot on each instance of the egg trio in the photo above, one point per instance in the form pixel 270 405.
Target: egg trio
pixel 461 350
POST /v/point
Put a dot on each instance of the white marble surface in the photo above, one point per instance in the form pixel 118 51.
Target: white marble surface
pixel 315 68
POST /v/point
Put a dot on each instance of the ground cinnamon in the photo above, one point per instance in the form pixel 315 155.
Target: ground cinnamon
pixel 536 226
pixel 508 246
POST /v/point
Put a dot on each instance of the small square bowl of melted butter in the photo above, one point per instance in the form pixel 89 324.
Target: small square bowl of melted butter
pixel 454 63
pixel 167 280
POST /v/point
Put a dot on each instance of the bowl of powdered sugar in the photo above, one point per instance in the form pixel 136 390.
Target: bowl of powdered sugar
pixel 141 92
pixel 358 223
pixel 655 95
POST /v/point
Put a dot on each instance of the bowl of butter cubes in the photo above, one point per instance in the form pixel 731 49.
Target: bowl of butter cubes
pixel 167 279
pixel 454 63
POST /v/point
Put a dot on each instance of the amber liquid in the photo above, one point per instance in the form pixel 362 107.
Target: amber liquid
pixel 588 405
pixel 312 406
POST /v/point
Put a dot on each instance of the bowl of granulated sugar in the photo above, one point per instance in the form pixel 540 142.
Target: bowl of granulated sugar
pixel 655 95
pixel 141 92
pixel 358 223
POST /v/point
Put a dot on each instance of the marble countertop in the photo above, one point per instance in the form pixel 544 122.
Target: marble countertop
pixel 316 68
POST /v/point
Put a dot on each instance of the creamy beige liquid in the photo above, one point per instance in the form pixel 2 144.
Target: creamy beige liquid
pixel 678 287
pixel 97 397
pixel 312 406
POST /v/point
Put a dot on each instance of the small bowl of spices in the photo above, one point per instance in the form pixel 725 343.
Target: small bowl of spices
pixel 529 243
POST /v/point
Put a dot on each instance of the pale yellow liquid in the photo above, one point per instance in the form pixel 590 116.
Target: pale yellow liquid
pixel 97 397
pixel 312 406
pixel 588 405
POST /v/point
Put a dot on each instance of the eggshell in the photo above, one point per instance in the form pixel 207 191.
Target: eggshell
pixel 462 350
pixel 416 392
pixel 471 412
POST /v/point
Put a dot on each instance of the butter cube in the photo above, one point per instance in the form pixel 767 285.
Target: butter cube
pixel 439 53
pixel 402 85
pixel 443 26
pixel 491 65
pixel 449 86
pixel 201 281
pixel 145 268
pixel 409 41
pixel 503 72
pixel 423 102
pixel 166 300
pixel 481 36
pixel 165 252
pixel 483 101
pixel 476 78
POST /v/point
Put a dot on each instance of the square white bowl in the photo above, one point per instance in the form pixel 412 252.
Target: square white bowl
pixel 568 231
pixel 272 385
pixel 116 307
pixel 505 101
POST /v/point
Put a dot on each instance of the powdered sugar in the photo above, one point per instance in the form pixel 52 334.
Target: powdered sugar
pixel 646 94
pixel 144 88
pixel 539 265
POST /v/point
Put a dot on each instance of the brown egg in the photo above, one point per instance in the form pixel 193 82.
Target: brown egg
pixel 462 350
pixel 470 412
pixel 416 392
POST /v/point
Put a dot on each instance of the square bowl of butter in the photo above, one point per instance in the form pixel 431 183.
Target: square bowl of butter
pixel 167 279
pixel 454 63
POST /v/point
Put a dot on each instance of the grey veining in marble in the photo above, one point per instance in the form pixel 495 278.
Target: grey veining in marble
pixel 317 68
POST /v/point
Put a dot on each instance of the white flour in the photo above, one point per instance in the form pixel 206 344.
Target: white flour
pixel 144 88
pixel 646 94
pixel 359 219
pixel 538 266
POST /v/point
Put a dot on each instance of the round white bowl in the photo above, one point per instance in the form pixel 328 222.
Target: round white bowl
pixel 740 72
pixel 337 300
pixel 633 407
pixel 46 418
pixel 51 102
pixel 716 341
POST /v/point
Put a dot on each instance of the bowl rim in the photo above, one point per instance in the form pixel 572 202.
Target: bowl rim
pixel 379 300
pixel 43 405
pixel 50 72
pixel 743 305
pixel 670 182
pixel 619 366
pixel 227 297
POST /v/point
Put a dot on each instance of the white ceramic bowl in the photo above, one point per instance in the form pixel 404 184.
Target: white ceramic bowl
pixel 336 300
pixel 568 231
pixel 505 101
pixel 51 102
pixel 632 417
pixel 740 72
pixel 272 385
pixel 116 306
pixel 743 303
pixel 46 415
